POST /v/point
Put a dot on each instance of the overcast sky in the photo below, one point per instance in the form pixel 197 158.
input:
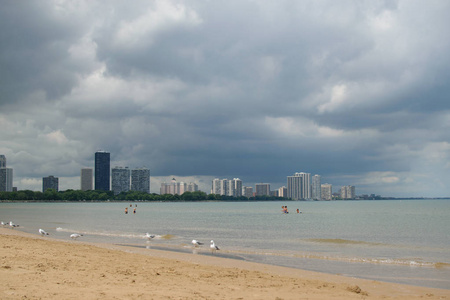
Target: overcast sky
pixel 355 91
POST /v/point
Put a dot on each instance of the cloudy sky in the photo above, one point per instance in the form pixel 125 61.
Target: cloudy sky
pixel 356 91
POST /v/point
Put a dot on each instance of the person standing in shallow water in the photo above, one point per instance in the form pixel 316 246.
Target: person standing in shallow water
pixel 126 210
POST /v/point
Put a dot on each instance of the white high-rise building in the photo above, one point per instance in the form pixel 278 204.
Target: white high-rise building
pixel 316 188
pixel 225 187
pixel 282 192
pixel 120 180
pixel 236 183
pixel 299 186
pixel 327 191
pixel 295 187
pixel 215 189
pixel 140 180
pixel 87 179
pixel 348 192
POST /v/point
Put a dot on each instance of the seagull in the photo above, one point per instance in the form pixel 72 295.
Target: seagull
pixel 213 246
pixel 149 236
pixel 74 236
pixel 42 232
pixel 196 243
pixel 3 223
pixel 13 225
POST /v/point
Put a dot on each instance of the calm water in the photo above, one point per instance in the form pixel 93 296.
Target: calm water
pixel 397 241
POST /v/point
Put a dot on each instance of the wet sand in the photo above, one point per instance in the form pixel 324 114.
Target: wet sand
pixel 36 267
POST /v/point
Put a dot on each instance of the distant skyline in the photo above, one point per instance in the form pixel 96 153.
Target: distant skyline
pixel 355 91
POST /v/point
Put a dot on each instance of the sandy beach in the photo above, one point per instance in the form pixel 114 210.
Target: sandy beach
pixel 35 267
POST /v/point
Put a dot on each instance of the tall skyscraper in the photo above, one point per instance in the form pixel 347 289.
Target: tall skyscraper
pixel 236 183
pixel 140 180
pixel 50 182
pixel 327 191
pixel 2 161
pixel 86 179
pixel 215 189
pixel 262 189
pixel 102 170
pixel 6 179
pixel 316 188
pixel 299 186
pixel 295 187
pixel 225 187
pixel 120 180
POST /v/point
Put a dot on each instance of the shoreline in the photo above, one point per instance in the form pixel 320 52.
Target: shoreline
pixel 42 267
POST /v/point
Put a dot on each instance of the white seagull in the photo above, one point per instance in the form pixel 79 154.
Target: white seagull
pixel 74 236
pixel 149 236
pixel 196 243
pixel 213 246
pixel 3 223
pixel 13 225
pixel 42 232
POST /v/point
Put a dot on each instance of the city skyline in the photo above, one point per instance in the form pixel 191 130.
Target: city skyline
pixel 354 91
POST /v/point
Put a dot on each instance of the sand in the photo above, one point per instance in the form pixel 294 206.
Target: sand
pixel 35 267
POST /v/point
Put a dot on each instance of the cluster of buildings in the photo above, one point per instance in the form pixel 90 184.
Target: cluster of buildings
pixel 300 186
pixel 177 188
pixel 117 179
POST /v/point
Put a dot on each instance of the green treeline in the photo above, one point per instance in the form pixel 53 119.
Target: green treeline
pixel 78 195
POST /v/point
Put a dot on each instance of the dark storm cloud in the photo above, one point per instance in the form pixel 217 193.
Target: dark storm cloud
pixel 35 51
pixel 353 90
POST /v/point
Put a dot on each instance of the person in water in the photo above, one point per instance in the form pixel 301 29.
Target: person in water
pixel 134 211
pixel 126 210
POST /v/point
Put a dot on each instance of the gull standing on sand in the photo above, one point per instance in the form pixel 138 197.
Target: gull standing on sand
pixel 196 243
pixel 74 236
pixel 13 225
pixel 43 232
pixel 213 247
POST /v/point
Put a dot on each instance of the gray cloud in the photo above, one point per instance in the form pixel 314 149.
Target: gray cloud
pixel 354 91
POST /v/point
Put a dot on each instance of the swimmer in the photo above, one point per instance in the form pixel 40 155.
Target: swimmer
pixel 126 210
pixel 134 211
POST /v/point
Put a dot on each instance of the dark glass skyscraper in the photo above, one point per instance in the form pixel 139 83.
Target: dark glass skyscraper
pixel 102 170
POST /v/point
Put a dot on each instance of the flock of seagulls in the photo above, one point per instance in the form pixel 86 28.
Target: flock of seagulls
pixel 10 224
pixel 149 236
pixel 41 231
pixel 213 246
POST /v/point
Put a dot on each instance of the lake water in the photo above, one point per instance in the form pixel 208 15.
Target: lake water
pixel 404 241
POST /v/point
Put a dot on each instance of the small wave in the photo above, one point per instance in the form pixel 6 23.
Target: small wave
pixel 416 262
pixel 114 234
pixel 343 242
pixel 440 265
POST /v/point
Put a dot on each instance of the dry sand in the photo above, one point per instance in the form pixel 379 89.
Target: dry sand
pixel 35 267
